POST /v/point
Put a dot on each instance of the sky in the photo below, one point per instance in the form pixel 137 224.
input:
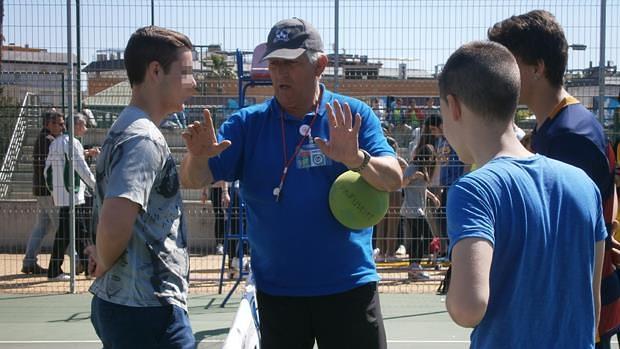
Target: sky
pixel 421 34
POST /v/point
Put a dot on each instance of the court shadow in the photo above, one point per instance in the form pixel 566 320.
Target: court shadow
pixel 75 317
pixel 415 315
pixel 199 336
pixel 21 281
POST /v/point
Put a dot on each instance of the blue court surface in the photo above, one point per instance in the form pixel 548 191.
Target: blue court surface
pixel 62 321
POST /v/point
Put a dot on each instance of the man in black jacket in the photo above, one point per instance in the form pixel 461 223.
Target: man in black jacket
pixel 47 216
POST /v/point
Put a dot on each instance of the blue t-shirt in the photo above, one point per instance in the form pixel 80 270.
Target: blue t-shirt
pixel 298 247
pixel 543 218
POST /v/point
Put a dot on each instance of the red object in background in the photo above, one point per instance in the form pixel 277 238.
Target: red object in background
pixel 435 246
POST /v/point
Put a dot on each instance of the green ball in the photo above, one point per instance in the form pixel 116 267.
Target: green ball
pixel 355 203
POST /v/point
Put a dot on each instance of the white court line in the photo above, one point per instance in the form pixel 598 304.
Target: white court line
pixel 87 341
pixel 397 341
pixel 405 341
pixel 206 341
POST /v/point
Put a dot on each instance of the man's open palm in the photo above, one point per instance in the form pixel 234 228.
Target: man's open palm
pixel 201 140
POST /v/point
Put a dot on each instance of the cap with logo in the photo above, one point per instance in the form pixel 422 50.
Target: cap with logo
pixel 289 38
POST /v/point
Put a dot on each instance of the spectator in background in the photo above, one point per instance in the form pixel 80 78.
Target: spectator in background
pixel 377 108
pixel 450 169
pixel 220 200
pixel 430 109
pixel 387 230
pixel 91 122
pixel 56 170
pixel 47 216
pixel 417 232
pixel 90 152
pixel 565 130
pixel 229 218
pixel 174 121
pixel 430 134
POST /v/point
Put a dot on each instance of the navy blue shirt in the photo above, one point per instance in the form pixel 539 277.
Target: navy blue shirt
pixel 575 136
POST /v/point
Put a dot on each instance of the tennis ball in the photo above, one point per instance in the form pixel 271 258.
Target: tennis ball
pixel 355 203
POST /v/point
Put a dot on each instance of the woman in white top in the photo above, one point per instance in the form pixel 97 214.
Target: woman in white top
pixel 416 180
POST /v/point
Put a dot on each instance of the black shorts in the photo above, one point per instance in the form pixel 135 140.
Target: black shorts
pixel 350 319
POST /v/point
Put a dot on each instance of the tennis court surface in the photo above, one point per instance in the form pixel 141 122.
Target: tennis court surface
pixel 62 321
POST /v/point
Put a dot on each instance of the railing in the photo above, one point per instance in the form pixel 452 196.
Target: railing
pixel 12 155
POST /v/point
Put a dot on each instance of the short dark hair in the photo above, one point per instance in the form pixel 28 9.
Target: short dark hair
pixel 51 115
pixel 485 77
pixel 433 120
pixel 535 36
pixel 149 44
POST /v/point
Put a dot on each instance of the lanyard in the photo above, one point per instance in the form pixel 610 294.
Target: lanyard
pixel 287 163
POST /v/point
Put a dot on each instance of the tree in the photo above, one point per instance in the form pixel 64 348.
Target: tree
pixel 218 69
pixel 221 69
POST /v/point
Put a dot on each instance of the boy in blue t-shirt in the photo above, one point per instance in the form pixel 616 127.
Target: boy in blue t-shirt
pixel 517 222
pixel 565 130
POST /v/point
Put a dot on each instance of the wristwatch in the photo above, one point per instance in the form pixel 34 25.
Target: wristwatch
pixel 364 162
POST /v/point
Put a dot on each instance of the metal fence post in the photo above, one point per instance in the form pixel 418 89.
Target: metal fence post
pixel 70 154
pixel 601 65
pixel 336 48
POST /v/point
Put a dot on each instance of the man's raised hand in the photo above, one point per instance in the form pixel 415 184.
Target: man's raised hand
pixel 343 135
pixel 201 140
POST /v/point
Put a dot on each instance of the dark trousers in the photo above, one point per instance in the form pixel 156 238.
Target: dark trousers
pixel 350 319
pixel 219 214
pixel 62 241
pixel 123 327
pixel 418 235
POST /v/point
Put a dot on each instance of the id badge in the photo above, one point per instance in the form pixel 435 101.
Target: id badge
pixel 311 156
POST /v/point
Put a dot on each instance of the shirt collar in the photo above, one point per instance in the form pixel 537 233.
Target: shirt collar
pixel 566 101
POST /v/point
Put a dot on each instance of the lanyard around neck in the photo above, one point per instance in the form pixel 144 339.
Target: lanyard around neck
pixel 287 162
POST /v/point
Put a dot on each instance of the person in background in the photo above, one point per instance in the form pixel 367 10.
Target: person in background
pixel 417 231
pixel 387 230
pixel 47 215
pixel 172 122
pixel 220 200
pixel 91 121
pixel 59 184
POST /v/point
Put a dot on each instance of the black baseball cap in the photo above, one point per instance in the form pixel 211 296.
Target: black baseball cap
pixel 289 38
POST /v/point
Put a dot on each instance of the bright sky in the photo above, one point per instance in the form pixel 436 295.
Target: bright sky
pixel 421 33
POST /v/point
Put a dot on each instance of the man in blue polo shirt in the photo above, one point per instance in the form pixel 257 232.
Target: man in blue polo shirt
pixel 316 279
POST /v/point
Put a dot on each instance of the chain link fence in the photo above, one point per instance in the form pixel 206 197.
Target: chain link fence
pixel 387 53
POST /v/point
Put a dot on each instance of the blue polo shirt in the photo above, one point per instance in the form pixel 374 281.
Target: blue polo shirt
pixel 298 248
